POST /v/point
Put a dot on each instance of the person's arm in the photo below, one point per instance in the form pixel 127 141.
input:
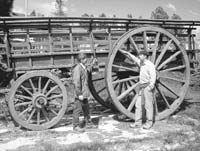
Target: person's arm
pixel 91 65
pixel 130 56
pixel 77 81
pixel 152 72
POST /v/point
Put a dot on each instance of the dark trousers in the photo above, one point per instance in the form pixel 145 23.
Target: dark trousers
pixel 80 106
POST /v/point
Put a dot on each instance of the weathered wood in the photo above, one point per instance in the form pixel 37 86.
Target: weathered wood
pixel 169 97
pixel 23 111
pixel 45 43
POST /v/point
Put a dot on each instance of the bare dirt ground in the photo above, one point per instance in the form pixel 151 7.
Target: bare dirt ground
pixel 179 132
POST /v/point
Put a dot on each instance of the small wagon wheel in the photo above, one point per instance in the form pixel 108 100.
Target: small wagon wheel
pixel 98 89
pixel 37 100
pixel 172 65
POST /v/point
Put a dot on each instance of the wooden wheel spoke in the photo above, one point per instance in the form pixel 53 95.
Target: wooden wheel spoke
pixel 38 117
pixel 46 85
pixel 54 112
pixel 125 86
pixel 31 115
pixel 116 86
pixel 156 106
pixel 163 97
pixel 174 68
pixel 23 104
pixel 55 102
pixel 94 80
pixel 45 114
pixel 154 49
pixel 26 110
pixel 145 41
pixel 115 79
pixel 52 89
pixel 169 89
pixel 163 52
pixel 26 89
pixel 173 79
pixel 134 44
pixel 29 106
pixel 39 84
pixel 122 67
pixel 126 79
pixel 131 105
pixel 32 85
pixel 54 97
pixel 168 60
pixel 125 93
pixel 23 97
pixel 120 88
pixel 99 91
pixel 129 83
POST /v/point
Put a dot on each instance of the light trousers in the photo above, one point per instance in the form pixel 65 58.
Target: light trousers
pixel 148 104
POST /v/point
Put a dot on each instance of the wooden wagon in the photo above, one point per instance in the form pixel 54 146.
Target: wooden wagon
pixel 40 52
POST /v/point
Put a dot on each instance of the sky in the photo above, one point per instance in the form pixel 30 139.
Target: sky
pixel 187 9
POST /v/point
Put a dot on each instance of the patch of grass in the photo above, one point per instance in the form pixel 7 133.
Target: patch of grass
pixel 186 144
pixel 126 145
pixel 192 111
pixel 176 137
pixel 190 115
pixel 51 146
pixel 190 147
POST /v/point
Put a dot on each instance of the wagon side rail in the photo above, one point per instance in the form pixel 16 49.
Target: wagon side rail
pixel 28 40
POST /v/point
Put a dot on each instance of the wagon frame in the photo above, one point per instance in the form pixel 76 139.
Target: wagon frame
pixel 41 52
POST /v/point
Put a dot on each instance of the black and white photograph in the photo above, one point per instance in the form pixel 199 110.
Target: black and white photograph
pixel 99 75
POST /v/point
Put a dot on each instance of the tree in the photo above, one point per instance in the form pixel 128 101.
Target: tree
pixel 176 17
pixel 178 31
pixel 159 13
pixel 129 16
pixel 60 8
pixel 85 15
pixel 102 15
pixel 6 7
pixel 102 25
pixel 33 13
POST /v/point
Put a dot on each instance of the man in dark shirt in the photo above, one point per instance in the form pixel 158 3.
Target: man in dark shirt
pixel 80 81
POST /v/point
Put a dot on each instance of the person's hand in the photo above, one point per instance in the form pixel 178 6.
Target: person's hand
pixel 124 52
pixel 94 61
pixel 149 88
pixel 80 97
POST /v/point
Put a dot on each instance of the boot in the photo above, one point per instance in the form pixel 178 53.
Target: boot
pixel 137 124
pixel 148 125
pixel 89 124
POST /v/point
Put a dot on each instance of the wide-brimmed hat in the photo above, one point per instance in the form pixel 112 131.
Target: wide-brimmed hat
pixel 144 52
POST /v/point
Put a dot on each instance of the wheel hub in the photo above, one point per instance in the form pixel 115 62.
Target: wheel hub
pixel 39 100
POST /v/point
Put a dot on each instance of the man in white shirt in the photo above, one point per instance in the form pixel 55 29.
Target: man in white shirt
pixel 147 79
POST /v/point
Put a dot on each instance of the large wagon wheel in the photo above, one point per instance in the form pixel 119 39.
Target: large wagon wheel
pixel 172 65
pixel 37 100
pixel 98 89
